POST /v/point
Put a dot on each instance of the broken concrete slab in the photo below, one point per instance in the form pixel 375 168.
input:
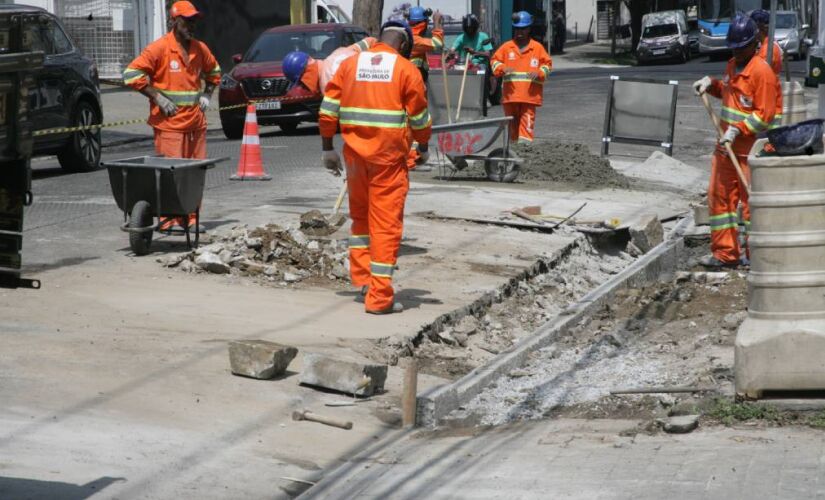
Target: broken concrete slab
pixel 210 262
pixel 647 232
pixel 345 376
pixel 260 359
pixel 681 424
pixel 701 215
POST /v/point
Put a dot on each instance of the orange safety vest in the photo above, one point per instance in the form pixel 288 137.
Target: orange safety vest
pixel 423 45
pixel 518 86
pixel 776 65
pixel 377 97
pixel 751 101
pixel 162 65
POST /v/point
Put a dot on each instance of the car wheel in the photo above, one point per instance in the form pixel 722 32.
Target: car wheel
pixel 232 126
pixel 82 154
pixel 288 128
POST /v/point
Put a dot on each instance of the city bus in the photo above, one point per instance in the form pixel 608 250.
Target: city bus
pixel 714 19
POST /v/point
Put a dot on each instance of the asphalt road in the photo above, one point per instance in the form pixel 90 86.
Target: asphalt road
pixel 74 218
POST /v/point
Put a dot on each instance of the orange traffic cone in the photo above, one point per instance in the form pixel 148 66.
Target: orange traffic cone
pixel 250 164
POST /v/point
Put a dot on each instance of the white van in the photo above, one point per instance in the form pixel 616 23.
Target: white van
pixel 664 36
pixel 329 12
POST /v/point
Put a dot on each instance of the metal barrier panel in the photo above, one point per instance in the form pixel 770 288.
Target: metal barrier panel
pixel 640 111
pixel 472 107
pixel 103 29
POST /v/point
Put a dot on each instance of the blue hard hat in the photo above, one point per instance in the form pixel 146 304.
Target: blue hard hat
pixel 522 19
pixel 417 14
pixel 400 22
pixel 294 65
pixel 761 16
pixel 742 32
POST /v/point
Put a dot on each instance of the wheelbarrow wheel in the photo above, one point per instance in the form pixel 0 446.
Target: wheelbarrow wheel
pixel 141 217
pixel 500 170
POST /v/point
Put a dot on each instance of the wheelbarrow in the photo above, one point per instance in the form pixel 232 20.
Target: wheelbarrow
pixel 146 187
pixel 464 141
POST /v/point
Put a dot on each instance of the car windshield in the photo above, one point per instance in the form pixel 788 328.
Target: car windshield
pixel 785 21
pixel 658 30
pixel 274 46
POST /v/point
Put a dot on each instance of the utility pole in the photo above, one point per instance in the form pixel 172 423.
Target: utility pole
pixel 771 31
pixel 819 50
pixel 367 14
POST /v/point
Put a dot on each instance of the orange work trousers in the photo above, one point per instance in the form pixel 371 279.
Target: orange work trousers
pixel 377 194
pixel 523 122
pixel 724 196
pixel 173 144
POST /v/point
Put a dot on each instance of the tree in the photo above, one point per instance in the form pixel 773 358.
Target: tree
pixel 367 14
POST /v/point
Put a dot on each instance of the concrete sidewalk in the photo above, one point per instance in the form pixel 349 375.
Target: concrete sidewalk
pixel 586 459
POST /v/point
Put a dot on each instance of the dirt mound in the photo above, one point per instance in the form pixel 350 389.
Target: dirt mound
pixel 568 163
pixel 270 253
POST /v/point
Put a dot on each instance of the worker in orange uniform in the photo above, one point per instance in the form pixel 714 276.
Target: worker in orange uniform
pixel 314 74
pixel 524 65
pixel 178 74
pixel 422 44
pixel 762 18
pixel 749 93
pixel 377 98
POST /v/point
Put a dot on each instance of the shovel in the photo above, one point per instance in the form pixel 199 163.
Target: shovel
pixel 728 148
pixel 461 93
pixel 336 219
pixel 446 86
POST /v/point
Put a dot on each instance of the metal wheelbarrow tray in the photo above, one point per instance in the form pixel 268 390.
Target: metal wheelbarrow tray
pixel 464 141
pixel 146 187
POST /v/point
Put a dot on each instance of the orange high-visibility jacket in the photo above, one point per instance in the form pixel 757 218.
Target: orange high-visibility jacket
pixel 376 97
pixel 423 45
pixel 776 64
pixel 162 65
pixel 751 101
pixel 319 72
pixel 517 85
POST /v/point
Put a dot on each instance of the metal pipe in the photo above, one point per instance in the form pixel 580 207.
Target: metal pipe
pixel 819 41
pixel 771 31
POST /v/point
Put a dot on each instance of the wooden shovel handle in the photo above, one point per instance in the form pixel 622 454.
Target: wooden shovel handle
pixel 728 148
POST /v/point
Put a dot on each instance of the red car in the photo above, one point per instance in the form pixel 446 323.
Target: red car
pixel 258 75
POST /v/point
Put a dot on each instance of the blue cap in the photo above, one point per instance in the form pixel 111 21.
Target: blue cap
pixel 522 19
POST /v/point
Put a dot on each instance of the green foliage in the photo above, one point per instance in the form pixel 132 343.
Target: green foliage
pixel 729 412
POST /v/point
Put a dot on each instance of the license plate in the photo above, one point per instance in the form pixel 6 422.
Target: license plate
pixel 268 106
pixel 658 52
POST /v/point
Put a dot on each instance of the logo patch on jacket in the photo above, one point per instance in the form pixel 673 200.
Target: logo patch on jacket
pixel 511 56
pixel 534 63
pixel 745 101
pixel 374 67
pixel 174 65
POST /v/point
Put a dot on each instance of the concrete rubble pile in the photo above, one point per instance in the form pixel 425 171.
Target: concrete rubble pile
pixel 271 253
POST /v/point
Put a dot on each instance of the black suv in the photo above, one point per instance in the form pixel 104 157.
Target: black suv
pixel 67 92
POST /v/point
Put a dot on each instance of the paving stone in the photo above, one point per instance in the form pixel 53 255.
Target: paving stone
pixel 260 358
pixel 343 376
pixel 681 424
pixel 646 232
pixel 701 215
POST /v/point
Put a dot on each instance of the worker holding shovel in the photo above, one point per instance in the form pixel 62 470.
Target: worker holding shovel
pixel 749 93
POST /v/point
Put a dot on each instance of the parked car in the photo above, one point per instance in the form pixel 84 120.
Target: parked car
pixel 451 32
pixel 258 75
pixel 67 92
pixel 790 34
pixel 664 37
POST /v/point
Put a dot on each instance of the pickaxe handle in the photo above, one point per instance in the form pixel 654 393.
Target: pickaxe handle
pixel 728 148
pixel 312 417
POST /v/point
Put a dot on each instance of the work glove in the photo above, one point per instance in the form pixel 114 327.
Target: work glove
pixel 702 86
pixel 423 157
pixel 730 135
pixel 203 102
pixel 332 162
pixel 167 107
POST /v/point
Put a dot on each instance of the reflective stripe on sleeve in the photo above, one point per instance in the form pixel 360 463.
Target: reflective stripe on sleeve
pixel 381 269
pixel 417 62
pixel 359 241
pixel 437 43
pixel 546 70
pixel 216 71
pixel 421 120
pixel 330 106
pixel 497 64
pixel 755 123
pixel 777 121
pixel 131 75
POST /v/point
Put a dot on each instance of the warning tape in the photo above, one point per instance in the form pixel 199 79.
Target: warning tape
pixel 67 130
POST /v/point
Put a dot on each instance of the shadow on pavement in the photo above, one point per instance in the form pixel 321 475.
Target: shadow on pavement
pixel 33 489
